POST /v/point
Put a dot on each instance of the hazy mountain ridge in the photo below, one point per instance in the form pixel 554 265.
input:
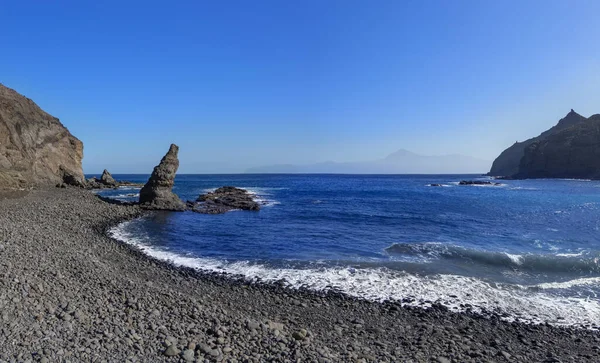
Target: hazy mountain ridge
pixel 399 162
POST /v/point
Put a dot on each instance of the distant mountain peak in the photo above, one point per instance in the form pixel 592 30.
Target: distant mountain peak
pixel 572 118
pixel 399 162
pixel 399 154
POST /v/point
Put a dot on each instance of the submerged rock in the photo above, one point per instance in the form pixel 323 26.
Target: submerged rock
pixel 476 182
pixel 224 200
pixel 158 191
pixel 95 183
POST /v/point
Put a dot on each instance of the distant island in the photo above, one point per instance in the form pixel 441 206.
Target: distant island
pixel 399 162
pixel 571 149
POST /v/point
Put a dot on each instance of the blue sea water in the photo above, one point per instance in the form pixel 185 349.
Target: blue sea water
pixel 527 249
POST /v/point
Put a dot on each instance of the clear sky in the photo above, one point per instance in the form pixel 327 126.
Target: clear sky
pixel 246 83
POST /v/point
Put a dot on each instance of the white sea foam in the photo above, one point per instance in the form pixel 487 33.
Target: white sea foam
pixel 570 254
pixel 489 185
pixel 501 185
pixel 129 188
pixel 516 259
pixel 589 281
pixel 528 303
pixel 128 195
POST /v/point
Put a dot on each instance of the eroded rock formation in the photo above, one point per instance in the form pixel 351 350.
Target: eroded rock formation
pixel 35 148
pixel 158 191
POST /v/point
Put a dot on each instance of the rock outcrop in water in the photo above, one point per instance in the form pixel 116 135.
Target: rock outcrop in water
pixel 107 179
pixel 158 191
pixel 476 182
pixel 571 149
pixel 224 200
pixel 35 148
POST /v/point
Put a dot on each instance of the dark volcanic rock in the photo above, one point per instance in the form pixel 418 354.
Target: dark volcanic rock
pixel 476 182
pixel 35 148
pixel 157 193
pixel 571 149
pixel 223 200
pixel 508 163
pixel 95 183
pixel 70 178
pixel 571 153
pixel 107 179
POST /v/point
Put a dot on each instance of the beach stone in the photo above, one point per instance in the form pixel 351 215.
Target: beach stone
pixel 252 325
pixel 276 326
pixel 188 355
pixel 171 351
pixel 204 348
pixel 158 193
pixel 300 335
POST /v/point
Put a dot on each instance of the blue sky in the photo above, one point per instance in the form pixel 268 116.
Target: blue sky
pixel 238 83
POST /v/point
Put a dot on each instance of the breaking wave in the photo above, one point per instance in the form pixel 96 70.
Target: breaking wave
pixel 539 303
pixel 581 262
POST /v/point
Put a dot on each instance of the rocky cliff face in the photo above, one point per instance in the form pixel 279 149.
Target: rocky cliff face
pixel 35 148
pixel 509 162
pixel 570 153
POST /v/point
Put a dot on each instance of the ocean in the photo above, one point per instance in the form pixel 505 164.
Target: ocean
pixel 527 250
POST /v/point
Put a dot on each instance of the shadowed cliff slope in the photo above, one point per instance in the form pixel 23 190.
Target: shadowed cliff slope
pixel 570 153
pixel 35 148
pixel 509 161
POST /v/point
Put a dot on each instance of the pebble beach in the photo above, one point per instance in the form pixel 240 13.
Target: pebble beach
pixel 69 293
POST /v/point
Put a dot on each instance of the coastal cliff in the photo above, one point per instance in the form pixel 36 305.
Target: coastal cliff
pixel 35 148
pixel 571 153
pixel 568 150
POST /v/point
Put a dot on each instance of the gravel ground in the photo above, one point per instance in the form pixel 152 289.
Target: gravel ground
pixel 68 293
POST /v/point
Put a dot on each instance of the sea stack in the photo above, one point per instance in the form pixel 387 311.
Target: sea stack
pixel 107 179
pixel 158 191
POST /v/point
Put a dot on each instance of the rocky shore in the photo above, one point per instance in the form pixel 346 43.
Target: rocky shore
pixel 223 200
pixel 68 293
